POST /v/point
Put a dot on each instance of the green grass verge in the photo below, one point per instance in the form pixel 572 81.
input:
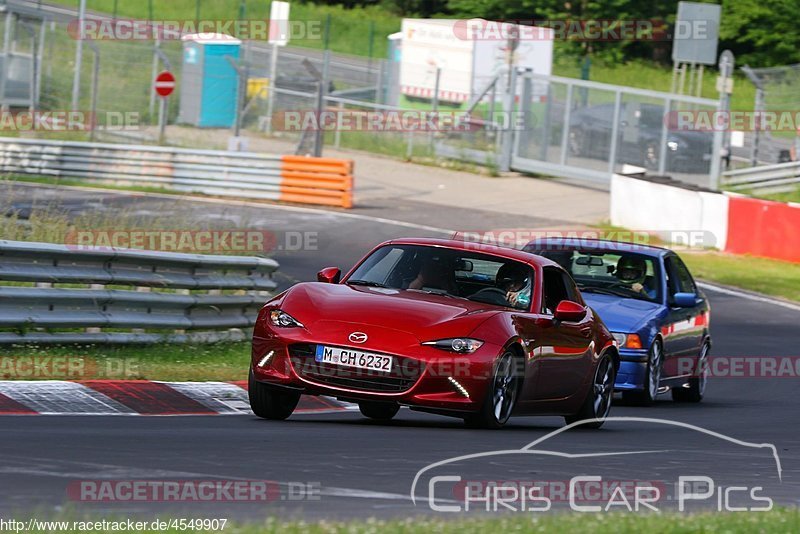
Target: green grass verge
pixel 779 520
pixel 789 196
pixel 171 362
pixel 771 277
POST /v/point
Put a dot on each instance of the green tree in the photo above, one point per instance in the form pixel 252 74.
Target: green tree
pixel 761 33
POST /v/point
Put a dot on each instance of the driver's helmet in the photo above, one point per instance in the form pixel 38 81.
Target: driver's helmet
pixel 512 277
pixel 631 269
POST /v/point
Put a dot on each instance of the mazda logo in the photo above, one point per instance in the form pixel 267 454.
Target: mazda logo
pixel 357 337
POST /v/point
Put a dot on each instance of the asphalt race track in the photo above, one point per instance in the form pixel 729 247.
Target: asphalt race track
pixel 360 468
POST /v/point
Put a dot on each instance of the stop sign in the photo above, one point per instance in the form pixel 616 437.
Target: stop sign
pixel 165 83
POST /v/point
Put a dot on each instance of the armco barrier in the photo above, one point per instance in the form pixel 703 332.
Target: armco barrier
pixel 307 180
pixel 735 223
pixel 138 296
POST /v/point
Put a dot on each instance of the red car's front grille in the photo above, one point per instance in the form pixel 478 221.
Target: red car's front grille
pixel 405 372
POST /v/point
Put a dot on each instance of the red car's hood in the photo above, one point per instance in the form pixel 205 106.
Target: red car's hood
pixel 422 315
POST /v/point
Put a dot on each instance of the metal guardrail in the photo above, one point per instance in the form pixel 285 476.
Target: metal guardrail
pixel 301 179
pixel 778 178
pixel 66 294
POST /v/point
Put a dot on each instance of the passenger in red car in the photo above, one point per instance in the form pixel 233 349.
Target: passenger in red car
pixel 434 273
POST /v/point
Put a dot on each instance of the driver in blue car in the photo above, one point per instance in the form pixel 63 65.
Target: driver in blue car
pixel 632 272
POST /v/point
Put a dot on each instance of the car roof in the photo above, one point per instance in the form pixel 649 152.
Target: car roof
pixel 472 246
pixel 599 244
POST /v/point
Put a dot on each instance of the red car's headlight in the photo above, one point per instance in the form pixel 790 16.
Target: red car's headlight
pixel 282 319
pixel 461 345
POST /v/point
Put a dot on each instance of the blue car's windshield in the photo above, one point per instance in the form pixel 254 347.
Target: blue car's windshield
pixel 618 272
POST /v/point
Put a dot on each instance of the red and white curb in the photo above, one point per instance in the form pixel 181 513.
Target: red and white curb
pixel 138 397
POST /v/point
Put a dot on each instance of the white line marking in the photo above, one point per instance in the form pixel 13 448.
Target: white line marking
pixel 749 296
pixel 251 204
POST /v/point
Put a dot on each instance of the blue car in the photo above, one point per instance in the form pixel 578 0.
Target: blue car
pixel 648 299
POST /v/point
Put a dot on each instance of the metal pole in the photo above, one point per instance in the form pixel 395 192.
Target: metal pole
pixel 726 65
pixel 197 10
pixel 95 80
pixel 508 132
pixel 370 48
pixel 662 155
pixel 322 90
pixel 35 67
pixel 114 15
pixel 240 94
pixel 700 71
pixel 565 125
pixel 435 104
pixel 612 153
pixel 273 71
pixel 162 121
pixel 76 79
pixel 6 59
pixel 153 74
pixel 42 32
pixel 759 107
pixel 379 95
pixel 337 135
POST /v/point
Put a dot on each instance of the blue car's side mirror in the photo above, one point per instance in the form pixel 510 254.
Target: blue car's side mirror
pixel 684 300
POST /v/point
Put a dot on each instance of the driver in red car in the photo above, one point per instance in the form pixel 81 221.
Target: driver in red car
pixel 632 271
pixel 514 280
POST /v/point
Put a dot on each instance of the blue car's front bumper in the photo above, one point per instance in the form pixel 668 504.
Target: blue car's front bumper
pixel 632 369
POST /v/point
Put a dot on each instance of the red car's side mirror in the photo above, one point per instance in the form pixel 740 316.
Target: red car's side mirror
pixel 569 311
pixel 329 275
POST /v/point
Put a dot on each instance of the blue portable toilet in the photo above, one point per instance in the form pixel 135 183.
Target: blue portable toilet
pixel 209 83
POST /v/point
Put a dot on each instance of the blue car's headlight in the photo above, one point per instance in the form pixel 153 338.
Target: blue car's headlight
pixel 627 341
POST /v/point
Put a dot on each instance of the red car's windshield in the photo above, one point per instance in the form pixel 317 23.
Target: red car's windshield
pixel 443 271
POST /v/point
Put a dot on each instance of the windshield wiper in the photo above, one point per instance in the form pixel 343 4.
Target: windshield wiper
pixel 630 294
pixel 435 292
pixel 368 283
pixel 603 290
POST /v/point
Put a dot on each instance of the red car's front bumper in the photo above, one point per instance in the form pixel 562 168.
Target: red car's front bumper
pixel 422 376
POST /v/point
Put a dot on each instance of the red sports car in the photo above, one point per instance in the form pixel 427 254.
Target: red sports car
pixel 449 327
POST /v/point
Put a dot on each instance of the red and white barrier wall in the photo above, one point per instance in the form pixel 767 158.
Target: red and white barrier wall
pixel 725 221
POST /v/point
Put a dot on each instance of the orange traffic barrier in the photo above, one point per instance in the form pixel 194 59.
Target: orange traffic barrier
pixel 309 180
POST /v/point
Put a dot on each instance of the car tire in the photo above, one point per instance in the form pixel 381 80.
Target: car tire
pixel 655 363
pixel 501 396
pixel 380 411
pixel 697 384
pixel 597 405
pixel 270 403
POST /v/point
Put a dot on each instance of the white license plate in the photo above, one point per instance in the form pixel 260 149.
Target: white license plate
pixel 353 358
